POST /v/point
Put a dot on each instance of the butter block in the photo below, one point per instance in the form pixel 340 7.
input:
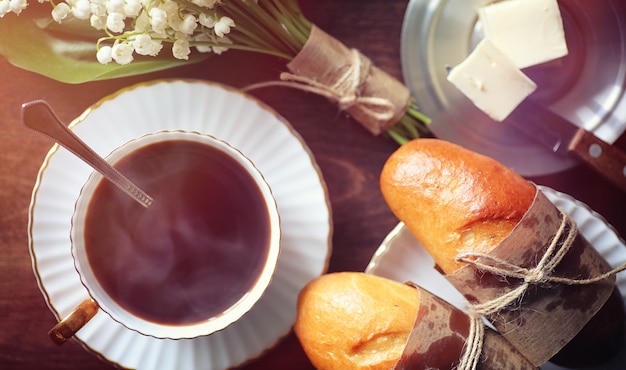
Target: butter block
pixel 491 81
pixel 529 32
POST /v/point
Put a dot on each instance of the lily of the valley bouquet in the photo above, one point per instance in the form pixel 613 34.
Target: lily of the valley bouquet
pixel 76 41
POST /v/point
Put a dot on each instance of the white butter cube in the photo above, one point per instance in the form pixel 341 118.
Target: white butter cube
pixel 528 31
pixel 491 81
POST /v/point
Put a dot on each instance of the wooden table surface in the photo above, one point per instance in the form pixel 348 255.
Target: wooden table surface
pixel 349 157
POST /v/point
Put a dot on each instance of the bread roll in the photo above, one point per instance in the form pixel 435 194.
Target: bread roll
pixel 453 199
pixel 355 321
pixel 456 200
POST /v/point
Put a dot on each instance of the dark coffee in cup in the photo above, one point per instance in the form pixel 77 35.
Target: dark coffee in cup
pixel 198 250
pixel 192 254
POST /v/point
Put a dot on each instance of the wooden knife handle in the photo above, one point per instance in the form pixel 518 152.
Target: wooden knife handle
pixel 608 160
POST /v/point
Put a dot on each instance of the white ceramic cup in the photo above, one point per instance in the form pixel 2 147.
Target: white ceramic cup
pixel 156 328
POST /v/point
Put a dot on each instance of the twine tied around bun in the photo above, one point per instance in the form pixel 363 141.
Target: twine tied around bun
pixel 473 344
pixel 541 274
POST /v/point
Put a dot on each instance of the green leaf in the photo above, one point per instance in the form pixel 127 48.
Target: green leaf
pixel 69 57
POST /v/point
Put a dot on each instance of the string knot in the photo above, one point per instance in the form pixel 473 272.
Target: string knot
pixel 346 91
pixel 536 276
pixel 541 274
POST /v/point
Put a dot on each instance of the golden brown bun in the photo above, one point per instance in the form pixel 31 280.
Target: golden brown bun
pixel 352 320
pixel 453 199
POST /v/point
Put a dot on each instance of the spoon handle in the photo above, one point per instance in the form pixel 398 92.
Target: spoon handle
pixel 39 116
pixel 65 329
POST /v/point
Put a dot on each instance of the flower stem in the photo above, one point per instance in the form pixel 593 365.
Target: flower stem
pixel 278 27
pixel 412 125
pixel 268 26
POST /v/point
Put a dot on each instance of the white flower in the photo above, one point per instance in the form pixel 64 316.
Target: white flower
pixel 17 6
pixel 115 22
pixel 142 22
pixel 206 20
pixel 114 6
pixel 132 8
pixel 220 49
pixel 104 54
pixel 122 53
pixel 171 7
pixel 158 20
pixel 174 14
pixel 181 49
pixel 5 7
pixel 199 42
pixel 205 3
pixel 188 24
pixel 98 7
pixel 60 12
pixel 98 22
pixel 81 9
pixel 145 45
pixel 223 26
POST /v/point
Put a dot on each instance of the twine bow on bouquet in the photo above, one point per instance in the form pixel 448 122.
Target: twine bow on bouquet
pixel 76 41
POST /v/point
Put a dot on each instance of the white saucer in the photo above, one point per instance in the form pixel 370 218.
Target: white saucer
pixel 402 258
pixel 587 86
pixel 260 133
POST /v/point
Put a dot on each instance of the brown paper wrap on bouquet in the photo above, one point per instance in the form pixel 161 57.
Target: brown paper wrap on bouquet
pixel 440 339
pixel 531 286
pixel 327 67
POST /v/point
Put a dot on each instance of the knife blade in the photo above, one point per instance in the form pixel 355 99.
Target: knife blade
pixel 562 137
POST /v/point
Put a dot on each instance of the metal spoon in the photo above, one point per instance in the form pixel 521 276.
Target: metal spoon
pixel 39 116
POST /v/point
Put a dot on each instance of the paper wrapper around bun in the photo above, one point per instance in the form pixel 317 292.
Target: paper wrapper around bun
pixel 547 315
pixel 439 338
